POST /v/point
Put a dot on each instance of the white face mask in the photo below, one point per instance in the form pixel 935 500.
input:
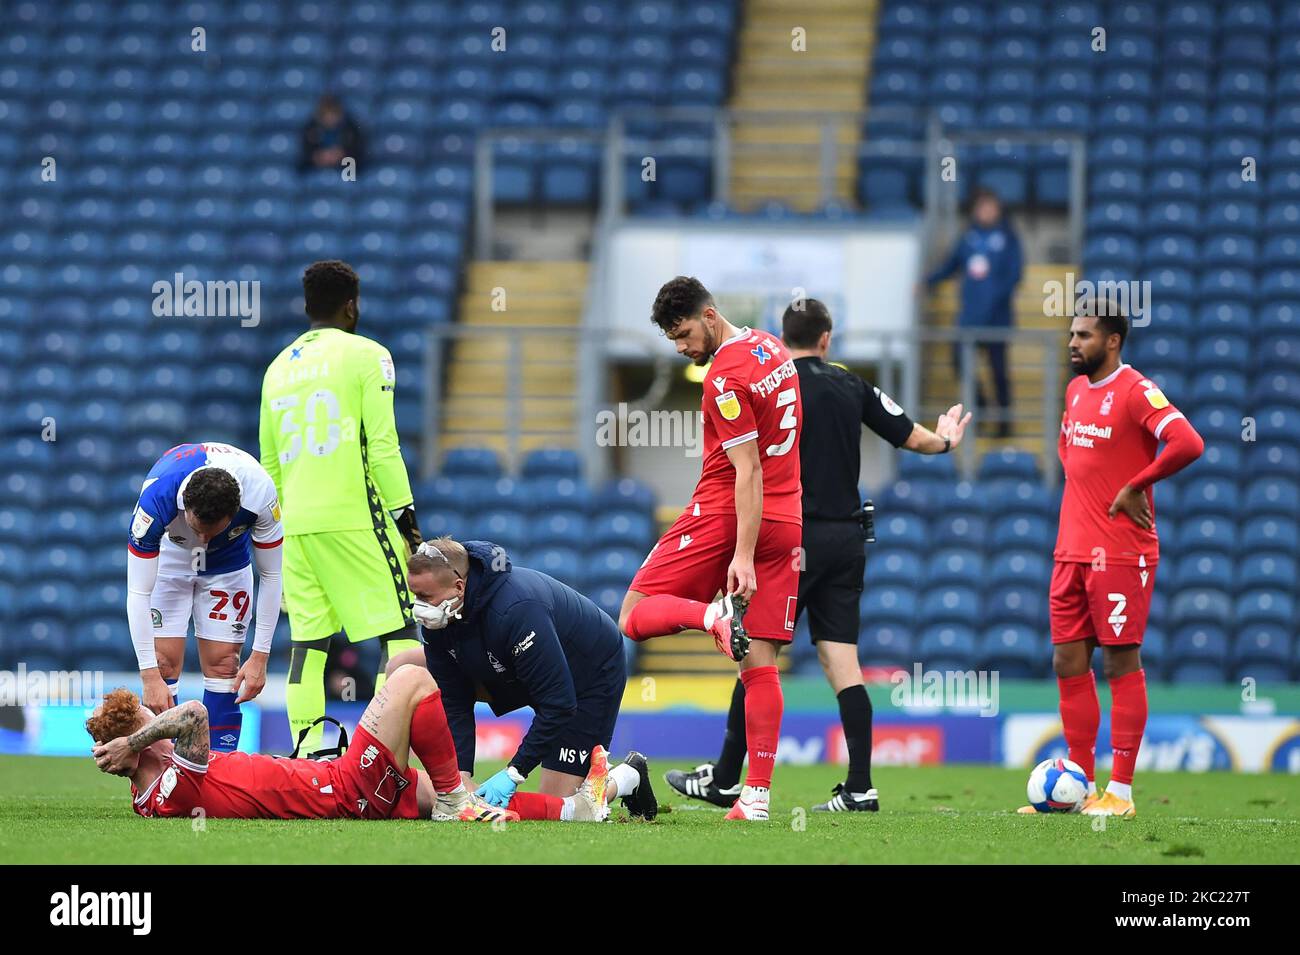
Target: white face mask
pixel 436 616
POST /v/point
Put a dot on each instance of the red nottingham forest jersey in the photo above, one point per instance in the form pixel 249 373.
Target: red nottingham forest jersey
pixel 241 786
pixel 1109 433
pixel 751 393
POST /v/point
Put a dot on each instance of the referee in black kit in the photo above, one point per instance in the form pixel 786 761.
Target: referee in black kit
pixel 836 404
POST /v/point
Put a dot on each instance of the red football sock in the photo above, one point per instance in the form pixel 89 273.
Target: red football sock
pixel 536 806
pixel 1128 720
pixel 432 742
pixel 662 614
pixel 1080 717
pixel 763 704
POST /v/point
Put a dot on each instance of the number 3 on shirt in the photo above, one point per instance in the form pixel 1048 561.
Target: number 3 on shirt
pixel 785 399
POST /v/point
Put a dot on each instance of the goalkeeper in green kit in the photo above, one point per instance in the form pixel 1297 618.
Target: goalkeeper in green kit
pixel 329 442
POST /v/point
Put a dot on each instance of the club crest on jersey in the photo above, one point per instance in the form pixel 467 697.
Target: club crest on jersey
pixel 157 618
pixel 720 383
pixel 1107 402
pixel 140 523
pixel 236 531
pixel 759 352
pixel 728 405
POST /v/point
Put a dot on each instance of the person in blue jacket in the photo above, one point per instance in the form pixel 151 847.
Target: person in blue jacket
pixel 988 255
pixel 513 638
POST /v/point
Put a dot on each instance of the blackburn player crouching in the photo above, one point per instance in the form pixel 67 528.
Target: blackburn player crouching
pixel 207 512
pixel 514 637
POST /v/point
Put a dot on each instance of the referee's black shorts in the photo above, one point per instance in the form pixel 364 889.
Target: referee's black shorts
pixel 830 585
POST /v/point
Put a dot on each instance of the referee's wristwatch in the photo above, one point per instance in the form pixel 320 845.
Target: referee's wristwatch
pixel 947 444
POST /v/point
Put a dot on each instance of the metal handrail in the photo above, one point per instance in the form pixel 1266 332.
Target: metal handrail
pixel 900 372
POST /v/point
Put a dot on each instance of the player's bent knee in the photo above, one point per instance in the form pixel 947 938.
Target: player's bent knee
pixel 413 657
pixel 412 678
pixel 631 600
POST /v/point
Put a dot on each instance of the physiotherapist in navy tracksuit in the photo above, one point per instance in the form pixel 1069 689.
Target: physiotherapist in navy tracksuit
pixel 988 255
pixel 514 637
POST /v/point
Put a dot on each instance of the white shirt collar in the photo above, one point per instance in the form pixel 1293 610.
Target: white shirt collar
pixel 742 337
pixel 1109 378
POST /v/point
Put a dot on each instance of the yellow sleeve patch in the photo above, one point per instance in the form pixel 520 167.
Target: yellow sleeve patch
pixel 728 405
pixel 1156 398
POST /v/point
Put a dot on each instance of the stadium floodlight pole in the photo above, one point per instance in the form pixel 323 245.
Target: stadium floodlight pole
pixel 433 353
pixel 612 202
pixel 967 385
pixel 483 197
pixel 722 156
pixel 826 164
pixel 1078 195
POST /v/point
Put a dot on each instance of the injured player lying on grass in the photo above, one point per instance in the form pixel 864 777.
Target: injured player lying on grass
pixel 173 773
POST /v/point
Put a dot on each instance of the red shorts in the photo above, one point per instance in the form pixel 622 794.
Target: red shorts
pixel 692 558
pixel 368 784
pixel 1110 604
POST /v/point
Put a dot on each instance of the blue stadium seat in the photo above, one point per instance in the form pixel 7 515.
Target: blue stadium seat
pixel 480 463
pixel 1201 606
pixel 950 605
pixel 552 462
pixel 624 493
pixel 615 565
pixel 954 566
pixel 885 644
pixel 1265 607
pixel 1198 654
pixel 947 647
pixel 889 604
pixel 893 566
pixel 558 529
pixel 506 528
pixel 1014 652
pixel 622 528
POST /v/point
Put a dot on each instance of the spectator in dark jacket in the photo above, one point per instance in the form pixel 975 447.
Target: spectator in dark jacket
pixel 329 136
pixel 988 255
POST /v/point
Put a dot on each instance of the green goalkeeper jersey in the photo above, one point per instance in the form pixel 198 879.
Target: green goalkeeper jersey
pixel 327 432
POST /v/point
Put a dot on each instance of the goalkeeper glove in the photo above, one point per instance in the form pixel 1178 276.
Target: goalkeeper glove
pixel 404 518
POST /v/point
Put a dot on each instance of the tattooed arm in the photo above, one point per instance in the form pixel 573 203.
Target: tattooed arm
pixel 187 724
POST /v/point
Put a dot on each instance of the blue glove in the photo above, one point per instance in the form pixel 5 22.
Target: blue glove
pixel 498 790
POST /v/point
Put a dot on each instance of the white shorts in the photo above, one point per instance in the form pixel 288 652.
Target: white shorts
pixel 221 605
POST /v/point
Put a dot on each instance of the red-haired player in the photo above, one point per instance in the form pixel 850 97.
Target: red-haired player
pixel 1106 547
pixel 173 773
pixel 742 531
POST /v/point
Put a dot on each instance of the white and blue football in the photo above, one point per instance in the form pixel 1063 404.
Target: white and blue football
pixel 1057 785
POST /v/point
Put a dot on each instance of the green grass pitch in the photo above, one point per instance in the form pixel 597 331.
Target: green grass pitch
pixel 64 811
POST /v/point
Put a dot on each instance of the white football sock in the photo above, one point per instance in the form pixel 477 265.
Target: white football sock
pixel 566 810
pixel 625 778
pixel 1092 787
pixel 1120 790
